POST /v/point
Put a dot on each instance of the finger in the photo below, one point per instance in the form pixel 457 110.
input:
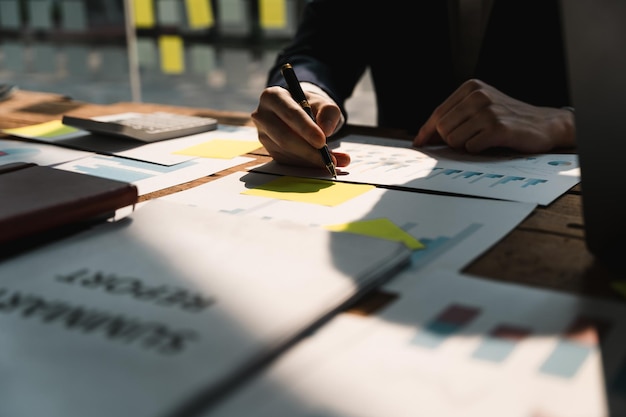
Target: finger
pixel 423 139
pixel 428 132
pixel 461 125
pixel 482 141
pixel 341 159
pixel 278 101
pixel 282 143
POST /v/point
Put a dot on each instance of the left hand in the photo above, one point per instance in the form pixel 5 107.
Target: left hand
pixel 477 117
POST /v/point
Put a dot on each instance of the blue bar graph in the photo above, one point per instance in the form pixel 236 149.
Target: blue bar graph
pixel 507 179
pixel 566 359
pixel 487 176
pixel 500 343
pixel 580 340
pixel 468 174
pixel 437 246
pixel 445 171
pixel 533 181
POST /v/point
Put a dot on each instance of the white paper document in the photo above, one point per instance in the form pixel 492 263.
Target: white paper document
pixel 452 230
pixel 156 314
pixel 165 152
pixel 37 153
pixel 536 179
pixel 452 346
pixel 149 177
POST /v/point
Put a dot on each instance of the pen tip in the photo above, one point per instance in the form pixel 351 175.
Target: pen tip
pixel 332 170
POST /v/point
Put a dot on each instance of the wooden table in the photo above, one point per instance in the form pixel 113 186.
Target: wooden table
pixel 546 250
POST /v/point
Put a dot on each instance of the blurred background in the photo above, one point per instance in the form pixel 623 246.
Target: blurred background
pixel 200 53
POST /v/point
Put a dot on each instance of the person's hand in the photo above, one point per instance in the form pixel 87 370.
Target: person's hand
pixel 289 134
pixel 477 117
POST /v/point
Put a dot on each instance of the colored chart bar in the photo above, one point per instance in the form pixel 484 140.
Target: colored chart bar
pixel 468 174
pixel 581 339
pixel 500 342
pixel 533 181
pixel 488 176
pixel 447 323
pixel 444 171
pixel 508 179
pixel 437 246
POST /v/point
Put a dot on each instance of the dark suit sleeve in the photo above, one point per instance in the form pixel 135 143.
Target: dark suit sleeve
pixel 328 48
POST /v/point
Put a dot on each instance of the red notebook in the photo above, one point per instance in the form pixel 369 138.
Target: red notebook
pixel 35 199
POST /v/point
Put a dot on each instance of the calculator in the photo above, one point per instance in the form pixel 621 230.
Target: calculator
pixel 144 127
pixel 6 90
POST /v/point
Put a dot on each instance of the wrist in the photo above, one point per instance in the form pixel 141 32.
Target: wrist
pixel 566 127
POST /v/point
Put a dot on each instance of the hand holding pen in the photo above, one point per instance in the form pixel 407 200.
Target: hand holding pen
pixel 296 92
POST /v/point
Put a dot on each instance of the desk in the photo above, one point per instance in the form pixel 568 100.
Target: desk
pixel 546 250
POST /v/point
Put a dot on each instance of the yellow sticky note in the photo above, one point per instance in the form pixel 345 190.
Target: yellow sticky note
pixel 199 14
pixel 171 49
pixel 307 190
pixel 273 14
pixel 381 228
pixel 220 148
pixel 42 130
pixel 144 13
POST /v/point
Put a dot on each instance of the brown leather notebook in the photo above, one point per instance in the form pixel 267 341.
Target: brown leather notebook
pixel 36 199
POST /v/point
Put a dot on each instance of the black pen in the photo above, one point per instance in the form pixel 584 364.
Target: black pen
pixel 298 95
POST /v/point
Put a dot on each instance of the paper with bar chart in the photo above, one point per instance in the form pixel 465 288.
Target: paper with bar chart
pixel 220 143
pixel 536 179
pixel 454 345
pixel 449 231
pixel 149 177
pixel 12 151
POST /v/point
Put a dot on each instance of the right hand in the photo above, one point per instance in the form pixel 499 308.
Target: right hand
pixel 289 134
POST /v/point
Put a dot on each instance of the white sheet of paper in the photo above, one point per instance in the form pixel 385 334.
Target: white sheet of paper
pixel 163 152
pixel 158 152
pixel 37 153
pixel 143 316
pixel 405 361
pixel 454 230
pixel 149 177
pixel 376 160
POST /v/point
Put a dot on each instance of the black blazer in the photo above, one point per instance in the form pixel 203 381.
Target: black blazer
pixel 406 45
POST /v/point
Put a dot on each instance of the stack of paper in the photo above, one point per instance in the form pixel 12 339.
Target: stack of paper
pixel 452 346
pixel 162 311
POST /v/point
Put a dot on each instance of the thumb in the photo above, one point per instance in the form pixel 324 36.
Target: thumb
pixel 330 119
